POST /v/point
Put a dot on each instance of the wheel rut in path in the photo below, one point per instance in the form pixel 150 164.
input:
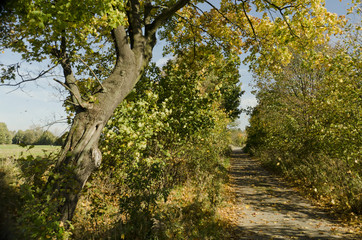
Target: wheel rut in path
pixel 269 209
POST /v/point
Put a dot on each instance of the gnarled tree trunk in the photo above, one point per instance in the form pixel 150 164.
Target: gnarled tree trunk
pixel 80 155
pixel 79 158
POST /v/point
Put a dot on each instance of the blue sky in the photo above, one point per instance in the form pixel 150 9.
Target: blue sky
pixel 40 103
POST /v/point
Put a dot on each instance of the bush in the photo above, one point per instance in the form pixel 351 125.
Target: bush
pixel 158 148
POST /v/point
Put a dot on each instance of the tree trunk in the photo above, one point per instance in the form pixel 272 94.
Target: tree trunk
pixel 79 158
pixel 80 155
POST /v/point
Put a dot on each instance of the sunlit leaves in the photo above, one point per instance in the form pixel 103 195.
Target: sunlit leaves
pixel 303 25
pixel 308 119
pixel 38 26
pixel 167 132
pixel 271 31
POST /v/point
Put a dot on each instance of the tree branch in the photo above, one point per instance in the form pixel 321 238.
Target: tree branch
pixel 147 12
pixel 121 43
pixel 70 80
pixel 202 29
pixel 135 25
pixel 280 9
pixel 164 16
pixel 249 21
pixel 23 80
pixel 223 15
pixel 79 101
pixel 95 76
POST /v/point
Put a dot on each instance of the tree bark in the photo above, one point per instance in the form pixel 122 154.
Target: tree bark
pixel 80 157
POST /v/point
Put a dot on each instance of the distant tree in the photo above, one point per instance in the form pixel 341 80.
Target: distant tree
pixel 5 134
pixel 18 137
pixel 33 136
pixel 47 138
pixel 238 137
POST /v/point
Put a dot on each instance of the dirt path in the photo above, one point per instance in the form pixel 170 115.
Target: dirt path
pixel 271 210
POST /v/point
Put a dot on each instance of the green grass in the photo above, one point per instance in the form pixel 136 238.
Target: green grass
pixel 13 150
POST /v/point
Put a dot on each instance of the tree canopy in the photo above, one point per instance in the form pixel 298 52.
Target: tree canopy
pixel 5 134
pixel 80 32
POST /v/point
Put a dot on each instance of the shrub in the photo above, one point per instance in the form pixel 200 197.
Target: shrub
pixel 158 147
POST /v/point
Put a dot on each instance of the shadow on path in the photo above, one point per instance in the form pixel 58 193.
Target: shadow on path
pixel 272 210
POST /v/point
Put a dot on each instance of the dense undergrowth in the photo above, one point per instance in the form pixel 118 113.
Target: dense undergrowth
pixel 163 172
pixel 307 124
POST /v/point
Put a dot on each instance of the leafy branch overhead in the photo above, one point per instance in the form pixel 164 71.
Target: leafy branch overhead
pixel 86 35
pixel 62 30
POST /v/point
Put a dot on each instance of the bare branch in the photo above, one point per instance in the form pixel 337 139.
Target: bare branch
pixel 24 80
pixel 79 101
pixel 72 87
pixel 17 87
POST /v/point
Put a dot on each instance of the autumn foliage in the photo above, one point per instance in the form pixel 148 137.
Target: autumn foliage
pixel 144 151
pixel 307 122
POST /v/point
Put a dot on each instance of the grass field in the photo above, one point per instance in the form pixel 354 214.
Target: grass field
pixel 13 150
